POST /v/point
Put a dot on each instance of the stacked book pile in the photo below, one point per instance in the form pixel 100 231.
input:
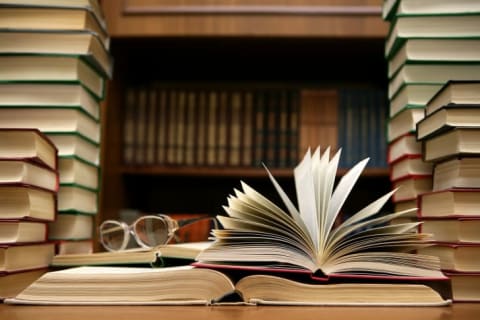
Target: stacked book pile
pixel 28 189
pixel 450 134
pixel 54 62
pixel 429 43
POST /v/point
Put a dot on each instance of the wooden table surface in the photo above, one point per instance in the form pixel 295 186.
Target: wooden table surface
pixel 10 285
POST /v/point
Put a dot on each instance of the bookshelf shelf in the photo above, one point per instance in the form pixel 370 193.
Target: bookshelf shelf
pixel 228 171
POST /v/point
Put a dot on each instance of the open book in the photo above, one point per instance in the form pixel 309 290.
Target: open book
pixel 258 233
pixel 168 254
pixel 189 285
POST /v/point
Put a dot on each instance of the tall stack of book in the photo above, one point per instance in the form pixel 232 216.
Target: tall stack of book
pixel 28 188
pixel 450 133
pixel 429 43
pixel 54 62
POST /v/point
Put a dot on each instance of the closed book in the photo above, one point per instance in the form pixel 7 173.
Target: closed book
pixel 16 231
pixel 51 120
pixel 74 144
pixel 410 166
pixel 52 18
pixel 432 73
pixel 69 247
pixel 406 26
pixel 18 172
pixel 86 45
pixel 457 173
pixel 453 143
pixel 465 286
pixel 21 202
pixel 90 5
pixel 74 170
pixel 412 96
pixel 450 203
pixel 71 226
pixel 403 123
pixel 77 199
pixel 23 257
pixel 403 146
pixel 460 230
pixel 51 68
pixel 31 144
pixel 410 187
pixel 455 92
pixel 49 95
pixel 415 51
pixel 454 256
pixel 448 117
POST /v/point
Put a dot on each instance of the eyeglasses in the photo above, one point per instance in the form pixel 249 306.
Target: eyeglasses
pixel 148 231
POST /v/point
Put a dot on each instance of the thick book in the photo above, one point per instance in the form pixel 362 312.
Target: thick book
pixel 412 96
pixel 51 120
pixel 51 69
pixel 465 286
pixel 186 285
pixel 90 5
pixel 31 144
pixel 24 172
pixel 410 187
pixel 457 173
pixel 453 143
pixel 402 147
pixel 52 18
pixel 415 51
pixel 21 202
pixel 454 256
pixel 450 203
pixel 432 73
pixel 409 166
pixel 75 171
pixel 459 230
pixel 18 231
pixel 403 123
pixel 162 255
pixel 23 257
pixel 68 247
pixel 454 93
pixel 434 7
pixel 75 144
pixel 87 45
pixel 448 117
pixel 406 26
pixel 76 198
pixel 71 226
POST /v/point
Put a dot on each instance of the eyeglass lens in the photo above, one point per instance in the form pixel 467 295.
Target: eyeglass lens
pixel 153 231
pixel 113 235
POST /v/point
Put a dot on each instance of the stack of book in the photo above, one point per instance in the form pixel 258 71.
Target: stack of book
pixel 429 43
pixel 28 188
pixel 450 133
pixel 54 63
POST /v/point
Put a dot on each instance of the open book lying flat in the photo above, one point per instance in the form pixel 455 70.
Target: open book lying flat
pixel 258 233
pixel 188 285
pixel 178 253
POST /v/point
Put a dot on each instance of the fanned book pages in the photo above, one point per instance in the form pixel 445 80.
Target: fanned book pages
pixel 259 234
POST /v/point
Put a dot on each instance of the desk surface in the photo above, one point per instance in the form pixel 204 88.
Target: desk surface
pixel 9 286
pixel 459 311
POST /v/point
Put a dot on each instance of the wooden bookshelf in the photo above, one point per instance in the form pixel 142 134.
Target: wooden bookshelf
pixel 316 65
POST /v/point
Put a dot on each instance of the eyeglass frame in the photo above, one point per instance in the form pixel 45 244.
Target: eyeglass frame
pixel 129 229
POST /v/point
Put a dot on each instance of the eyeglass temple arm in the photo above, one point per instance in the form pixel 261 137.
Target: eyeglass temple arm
pixel 185 222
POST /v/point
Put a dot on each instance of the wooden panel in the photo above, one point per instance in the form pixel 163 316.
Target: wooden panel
pixel 314 18
pixel 318 120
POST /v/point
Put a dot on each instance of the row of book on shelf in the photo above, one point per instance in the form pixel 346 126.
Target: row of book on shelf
pixel 54 63
pixel 433 131
pixel 211 126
